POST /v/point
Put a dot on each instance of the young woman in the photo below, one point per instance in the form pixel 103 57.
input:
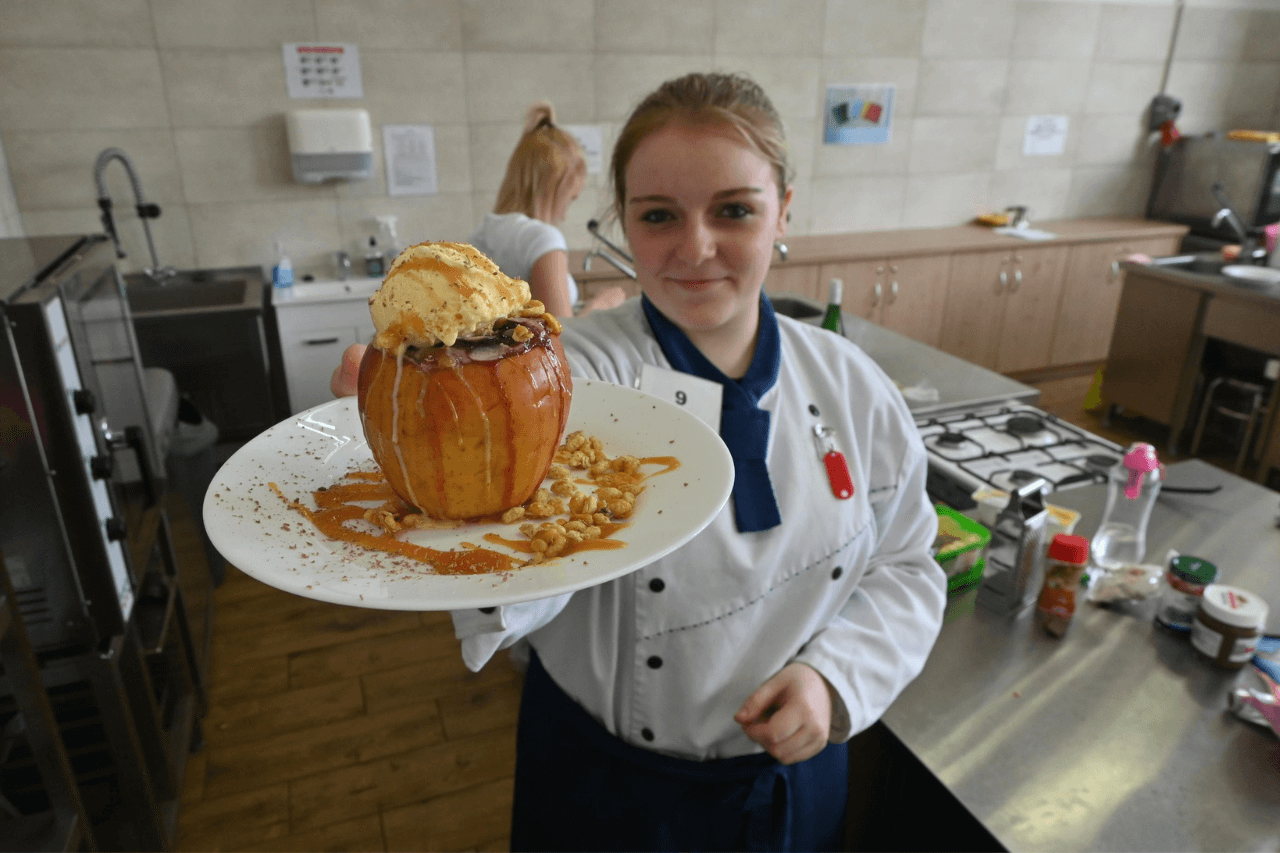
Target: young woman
pixel 544 176
pixel 703 701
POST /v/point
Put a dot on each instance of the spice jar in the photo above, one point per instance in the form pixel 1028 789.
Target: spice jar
pixel 1185 580
pixel 1228 625
pixel 1068 557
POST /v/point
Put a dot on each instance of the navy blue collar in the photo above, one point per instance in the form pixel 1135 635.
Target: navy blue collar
pixel 744 427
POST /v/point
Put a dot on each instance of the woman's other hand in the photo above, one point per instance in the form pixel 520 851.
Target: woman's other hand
pixel 610 297
pixel 346 376
pixel 790 714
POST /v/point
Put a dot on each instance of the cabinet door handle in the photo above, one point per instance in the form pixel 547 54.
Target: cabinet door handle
pixel 317 342
pixel 1004 279
pixel 879 291
pixel 1115 269
pixel 1017 280
pixel 893 291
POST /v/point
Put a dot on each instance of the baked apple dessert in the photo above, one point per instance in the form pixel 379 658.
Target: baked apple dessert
pixel 464 394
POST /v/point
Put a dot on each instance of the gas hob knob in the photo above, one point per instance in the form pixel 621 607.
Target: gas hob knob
pixel 102 467
pixel 84 401
pixel 116 529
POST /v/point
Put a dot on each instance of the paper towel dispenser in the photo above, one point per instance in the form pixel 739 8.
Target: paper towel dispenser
pixel 330 144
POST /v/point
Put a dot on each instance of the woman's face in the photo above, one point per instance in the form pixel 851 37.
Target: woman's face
pixel 701 213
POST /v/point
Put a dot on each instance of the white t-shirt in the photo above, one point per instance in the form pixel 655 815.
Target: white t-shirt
pixel 846 586
pixel 514 242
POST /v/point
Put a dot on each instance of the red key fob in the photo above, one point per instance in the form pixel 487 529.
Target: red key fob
pixel 838 474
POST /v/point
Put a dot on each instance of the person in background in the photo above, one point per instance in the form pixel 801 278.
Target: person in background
pixel 703 701
pixel 544 176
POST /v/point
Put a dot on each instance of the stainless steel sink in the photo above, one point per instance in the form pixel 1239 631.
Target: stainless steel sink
pixel 195 291
pixel 1209 263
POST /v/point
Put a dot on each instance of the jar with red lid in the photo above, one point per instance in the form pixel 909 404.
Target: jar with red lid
pixel 1068 557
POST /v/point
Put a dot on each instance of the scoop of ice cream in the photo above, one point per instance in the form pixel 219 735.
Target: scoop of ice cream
pixel 437 292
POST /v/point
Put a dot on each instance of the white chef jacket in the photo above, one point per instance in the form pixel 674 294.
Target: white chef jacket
pixel 663 657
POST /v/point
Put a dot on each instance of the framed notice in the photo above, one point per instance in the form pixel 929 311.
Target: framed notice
pixel 859 114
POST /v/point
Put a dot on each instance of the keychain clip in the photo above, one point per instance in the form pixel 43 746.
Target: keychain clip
pixel 837 467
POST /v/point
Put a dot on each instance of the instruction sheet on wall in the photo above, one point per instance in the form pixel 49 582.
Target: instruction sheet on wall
pixel 409 154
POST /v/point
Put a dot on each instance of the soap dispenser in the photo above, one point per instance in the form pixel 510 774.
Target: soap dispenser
pixel 282 272
pixel 374 265
pixel 390 239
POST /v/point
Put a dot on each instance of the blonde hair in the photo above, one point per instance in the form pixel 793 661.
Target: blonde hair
pixel 544 154
pixel 730 100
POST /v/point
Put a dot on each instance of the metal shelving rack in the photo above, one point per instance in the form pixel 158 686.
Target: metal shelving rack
pixel 34 766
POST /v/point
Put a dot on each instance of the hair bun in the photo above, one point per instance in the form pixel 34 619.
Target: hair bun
pixel 541 113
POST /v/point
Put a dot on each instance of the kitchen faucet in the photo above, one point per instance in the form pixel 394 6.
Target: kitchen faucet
pixel 596 252
pixel 1227 214
pixel 155 272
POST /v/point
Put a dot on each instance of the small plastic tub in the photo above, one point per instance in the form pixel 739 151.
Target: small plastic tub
pixel 960 548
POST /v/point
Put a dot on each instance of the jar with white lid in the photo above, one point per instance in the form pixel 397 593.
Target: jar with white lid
pixel 1228 625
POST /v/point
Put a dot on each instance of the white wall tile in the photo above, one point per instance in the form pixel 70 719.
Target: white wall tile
pixel 970 29
pixel 427 25
pixel 445 216
pixel 1108 191
pixel 874 28
pixel 769 27
pixel 942 199
pixel 1122 87
pixel 1056 30
pixel 890 158
pixel 655 27
pixel 10 215
pixel 962 87
pixel 1212 34
pixel 623 79
pixel 218 88
pixel 791 83
pixel 82 23
pixel 869 203
pixel 232 24
pixel 240 233
pixel 80 88
pixel 502 85
pixel 1262 39
pixel 1112 140
pixel 1046 87
pixel 525 26
pixel 953 145
pixel 239 164
pixel 1134 31
pixel 1044 192
pixel 54 169
pixel 1205 89
pixel 412 87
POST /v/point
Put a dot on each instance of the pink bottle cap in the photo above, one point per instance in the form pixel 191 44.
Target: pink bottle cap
pixel 1140 460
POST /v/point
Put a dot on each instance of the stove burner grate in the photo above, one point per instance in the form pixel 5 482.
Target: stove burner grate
pixel 1024 425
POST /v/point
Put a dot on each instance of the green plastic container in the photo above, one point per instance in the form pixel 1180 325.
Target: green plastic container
pixel 960 548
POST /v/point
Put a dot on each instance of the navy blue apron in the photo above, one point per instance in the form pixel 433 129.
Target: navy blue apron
pixel 577 787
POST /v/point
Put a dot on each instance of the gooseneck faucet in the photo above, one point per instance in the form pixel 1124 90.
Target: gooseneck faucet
pixel 596 252
pixel 145 210
pixel 1228 214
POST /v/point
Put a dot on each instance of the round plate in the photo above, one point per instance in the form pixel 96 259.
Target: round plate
pixel 1251 275
pixel 256 532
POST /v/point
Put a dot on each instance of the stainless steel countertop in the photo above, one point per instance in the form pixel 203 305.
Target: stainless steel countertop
pixel 912 364
pixel 1116 737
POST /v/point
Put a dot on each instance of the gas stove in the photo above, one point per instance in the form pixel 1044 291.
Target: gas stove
pixel 1007 445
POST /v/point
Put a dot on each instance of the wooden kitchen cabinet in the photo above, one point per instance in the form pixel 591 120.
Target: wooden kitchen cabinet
pixel 802 279
pixel 1001 307
pixel 905 294
pixel 1091 289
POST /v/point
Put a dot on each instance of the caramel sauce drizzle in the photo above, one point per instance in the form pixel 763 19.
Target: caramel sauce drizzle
pixel 341 503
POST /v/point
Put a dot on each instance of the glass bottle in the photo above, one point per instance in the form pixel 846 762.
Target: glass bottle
pixel 832 319
pixel 1132 486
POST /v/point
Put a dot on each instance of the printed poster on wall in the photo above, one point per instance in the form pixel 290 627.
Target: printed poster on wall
pixel 409 155
pixel 860 114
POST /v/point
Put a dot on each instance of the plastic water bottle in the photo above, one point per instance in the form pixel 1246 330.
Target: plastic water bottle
pixel 282 272
pixel 1132 486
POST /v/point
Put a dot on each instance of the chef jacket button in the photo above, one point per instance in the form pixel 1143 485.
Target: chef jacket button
pixel 813 410
pixel 836 573
pixel 646 733
pixel 657 585
pixel 487 609
pixel 654 662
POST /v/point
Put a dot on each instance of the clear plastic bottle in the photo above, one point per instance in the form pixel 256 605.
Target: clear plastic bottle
pixel 1132 486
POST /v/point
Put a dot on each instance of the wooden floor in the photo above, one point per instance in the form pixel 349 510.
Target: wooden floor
pixel 333 728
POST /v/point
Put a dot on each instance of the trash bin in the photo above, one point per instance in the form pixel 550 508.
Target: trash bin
pixel 191 464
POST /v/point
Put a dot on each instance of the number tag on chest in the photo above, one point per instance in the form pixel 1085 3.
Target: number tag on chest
pixel 700 397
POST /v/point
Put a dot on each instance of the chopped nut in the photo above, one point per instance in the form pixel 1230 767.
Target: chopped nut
pixel 513 515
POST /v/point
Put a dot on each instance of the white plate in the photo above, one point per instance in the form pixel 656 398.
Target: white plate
pixel 256 532
pixel 1251 275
